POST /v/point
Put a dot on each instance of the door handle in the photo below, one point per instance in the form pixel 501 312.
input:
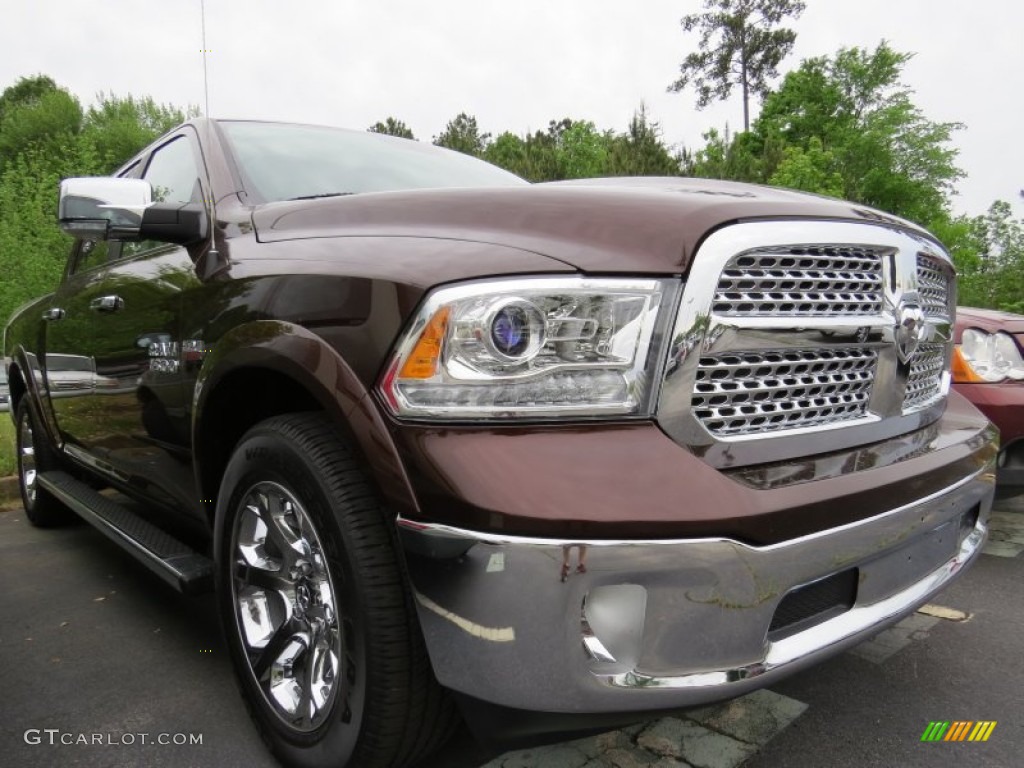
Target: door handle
pixel 106 303
pixel 53 313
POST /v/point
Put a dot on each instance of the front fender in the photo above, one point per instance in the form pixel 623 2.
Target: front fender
pixel 310 362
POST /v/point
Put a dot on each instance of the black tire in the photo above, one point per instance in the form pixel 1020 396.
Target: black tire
pixel 345 595
pixel 35 455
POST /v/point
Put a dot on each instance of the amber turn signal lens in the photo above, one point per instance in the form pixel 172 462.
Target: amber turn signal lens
pixel 425 357
pixel 962 371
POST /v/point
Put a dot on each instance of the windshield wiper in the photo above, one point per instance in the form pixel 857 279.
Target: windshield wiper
pixel 322 194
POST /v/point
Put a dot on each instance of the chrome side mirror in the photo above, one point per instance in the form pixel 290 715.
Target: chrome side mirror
pixel 100 208
pixel 107 208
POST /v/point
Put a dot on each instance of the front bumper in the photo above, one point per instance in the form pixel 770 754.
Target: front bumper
pixel 657 624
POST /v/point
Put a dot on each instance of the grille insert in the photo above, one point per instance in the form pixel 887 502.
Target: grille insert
pixel 933 285
pixel 821 281
pixel 924 384
pixel 752 392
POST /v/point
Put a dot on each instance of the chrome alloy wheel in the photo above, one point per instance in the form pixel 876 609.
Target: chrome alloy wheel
pixel 27 458
pixel 285 606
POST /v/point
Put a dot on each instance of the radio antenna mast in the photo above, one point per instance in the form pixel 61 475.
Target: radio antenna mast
pixel 206 82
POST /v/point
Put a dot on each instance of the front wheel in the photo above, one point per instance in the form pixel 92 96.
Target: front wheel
pixel 320 625
pixel 36 455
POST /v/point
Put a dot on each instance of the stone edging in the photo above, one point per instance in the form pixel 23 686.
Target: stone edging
pixel 9 493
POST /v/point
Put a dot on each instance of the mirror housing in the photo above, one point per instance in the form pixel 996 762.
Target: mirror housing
pixel 108 208
pixel 103 208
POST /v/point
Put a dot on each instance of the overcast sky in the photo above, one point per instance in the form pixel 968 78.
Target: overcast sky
pixel 515 65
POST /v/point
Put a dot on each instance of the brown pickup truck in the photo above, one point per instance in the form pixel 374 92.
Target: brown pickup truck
pixel 552 455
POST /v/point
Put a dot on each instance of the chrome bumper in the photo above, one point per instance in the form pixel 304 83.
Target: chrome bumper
pixel 664 624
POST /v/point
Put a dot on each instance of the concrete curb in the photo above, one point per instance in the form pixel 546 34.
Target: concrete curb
pixel 10 495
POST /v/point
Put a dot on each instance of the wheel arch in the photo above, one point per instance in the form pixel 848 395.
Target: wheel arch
pixel 25 379
pixel 16 384
pixel 266 368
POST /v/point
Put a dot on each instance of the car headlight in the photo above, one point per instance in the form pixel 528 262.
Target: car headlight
pixel 531 348
pixel 990 357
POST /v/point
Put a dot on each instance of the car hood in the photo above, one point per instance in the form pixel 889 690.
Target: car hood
pixel 637 224
pixel 989 320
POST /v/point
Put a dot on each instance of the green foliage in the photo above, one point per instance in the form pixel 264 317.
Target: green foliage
pixel 463 135
pixel 8 458
pixel 988 252
pixel 537 156
pixel 640 151
pixel 737 159
pixel 998 274
pixel 811 169
pixel 567 149
pixel 961 237
pixel 741 43
pixel 45 136
pixel 849 128
pixel 576 149
pixel 118 128
pixel 32 248
pixel 35 113
pixel 26 92
pixel 582 150
pixel 392 127
pixel 843 125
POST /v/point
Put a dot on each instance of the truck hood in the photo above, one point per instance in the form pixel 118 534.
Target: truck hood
pixel 636 224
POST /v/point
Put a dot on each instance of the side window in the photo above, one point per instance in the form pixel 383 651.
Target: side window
pixel 174 175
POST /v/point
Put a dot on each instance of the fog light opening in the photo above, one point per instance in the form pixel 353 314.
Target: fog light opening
pixel 612 624
pixel 969 521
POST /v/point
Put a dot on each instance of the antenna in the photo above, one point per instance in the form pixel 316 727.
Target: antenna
pixel 206 82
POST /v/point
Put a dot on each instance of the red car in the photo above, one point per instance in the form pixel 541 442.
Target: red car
pixel 988 369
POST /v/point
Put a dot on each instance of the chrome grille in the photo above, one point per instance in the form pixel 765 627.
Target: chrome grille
pixel 933 284
pixel 793 326
pixel 820 281
pixel 924 384
pixel 742 393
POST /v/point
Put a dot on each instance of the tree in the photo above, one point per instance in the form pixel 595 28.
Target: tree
pixel 569 149
pixel 741 43
pixel 811 169
pixel 508 151
pixel 36 113
pixel 463 135
pixel 392 127
pixel 1002 259
pixel 738 158
pixel 535 157
pixel 640 151
pixel 849 118
pixel 577 149
pixel 44 137
pixel 118 127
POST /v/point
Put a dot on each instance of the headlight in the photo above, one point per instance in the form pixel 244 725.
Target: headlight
pixel 990 357
pixel 531 347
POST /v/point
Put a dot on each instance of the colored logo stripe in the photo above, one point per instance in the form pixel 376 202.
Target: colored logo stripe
pixel 958 730
pixel 982 731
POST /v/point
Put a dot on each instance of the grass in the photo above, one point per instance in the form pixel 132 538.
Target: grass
pixel 8 489
pixel 7 461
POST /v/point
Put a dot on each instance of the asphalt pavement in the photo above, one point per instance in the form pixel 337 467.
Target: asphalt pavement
pixel 102 665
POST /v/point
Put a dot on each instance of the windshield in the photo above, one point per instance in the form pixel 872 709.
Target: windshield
pixel 286 162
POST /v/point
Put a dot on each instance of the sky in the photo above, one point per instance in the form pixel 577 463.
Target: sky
pixel 514 65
